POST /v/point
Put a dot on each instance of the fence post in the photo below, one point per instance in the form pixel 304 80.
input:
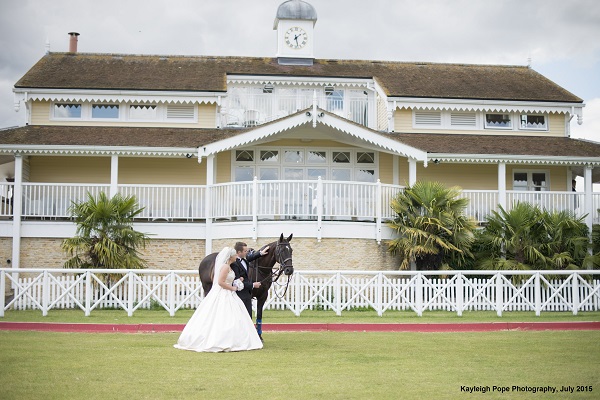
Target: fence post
pixel 297 294
pixel 3 296
pixel 575 291
pixel 130 293
pixel 380 294
pixel 88 293
pixel 419 294
pixel 45 293
pixel 338 294
pixel 537 294
pixel 459 294
pixel 499 295
pixel 172 294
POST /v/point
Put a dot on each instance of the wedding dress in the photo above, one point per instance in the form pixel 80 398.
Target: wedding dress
pixel 221 322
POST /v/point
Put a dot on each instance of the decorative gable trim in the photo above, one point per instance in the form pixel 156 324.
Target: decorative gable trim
pixel 495 159
pixel 308 117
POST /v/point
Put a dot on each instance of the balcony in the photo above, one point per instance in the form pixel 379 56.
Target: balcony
pixel 265 200
pixel 240 110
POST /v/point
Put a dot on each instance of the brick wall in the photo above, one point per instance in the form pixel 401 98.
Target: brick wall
pixel 165 254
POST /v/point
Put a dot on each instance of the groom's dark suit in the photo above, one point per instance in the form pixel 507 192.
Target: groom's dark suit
pixel 241 271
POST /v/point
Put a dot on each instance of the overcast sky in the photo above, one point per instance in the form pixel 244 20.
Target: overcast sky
pixel 559 36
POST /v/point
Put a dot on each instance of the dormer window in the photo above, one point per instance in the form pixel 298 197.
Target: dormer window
pixel 533 122
pixel 67 110
pixel 146 112
pixel 498 121
pixel 105 111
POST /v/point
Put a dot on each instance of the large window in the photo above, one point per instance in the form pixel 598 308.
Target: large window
pixel 533 181
pixel 305 164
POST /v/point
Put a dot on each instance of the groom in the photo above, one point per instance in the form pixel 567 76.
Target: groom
pixel 240 268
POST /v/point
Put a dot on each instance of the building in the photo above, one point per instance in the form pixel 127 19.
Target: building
pixel 219 149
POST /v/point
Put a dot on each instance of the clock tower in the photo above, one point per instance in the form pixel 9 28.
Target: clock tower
pixel 295 22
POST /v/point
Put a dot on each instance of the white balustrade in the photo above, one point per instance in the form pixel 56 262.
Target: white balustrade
pixel 282 199
pixel 380 291
pixel 52 200
pixel 246 110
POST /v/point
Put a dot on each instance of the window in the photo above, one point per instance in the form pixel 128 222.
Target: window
pixel 533 181
pixel 143 112
pixel 341 157
pixel 335 100
pixel 316 157
pixel 105 111
pixel 293 157
pixel 244 155
pixel 498 121
pixel 269 156
pixel 533 121
pixel 244 174
pixel 67 110
pixel 294 163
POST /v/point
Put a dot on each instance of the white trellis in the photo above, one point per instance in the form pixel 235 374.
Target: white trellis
pixel 338 291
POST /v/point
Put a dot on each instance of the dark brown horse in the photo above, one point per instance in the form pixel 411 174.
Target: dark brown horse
pixel 260 270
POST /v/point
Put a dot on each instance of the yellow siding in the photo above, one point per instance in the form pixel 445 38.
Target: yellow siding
pixel 476 176
pixel 207 115
pixel 403 123
pixel 224 167
pixel 40 115
pixel 55 169
pixel 386 173
pixel 161 171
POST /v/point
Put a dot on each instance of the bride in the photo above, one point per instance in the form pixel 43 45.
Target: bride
pixel 221 322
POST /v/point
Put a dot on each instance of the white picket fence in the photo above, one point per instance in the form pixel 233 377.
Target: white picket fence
pixel 457 291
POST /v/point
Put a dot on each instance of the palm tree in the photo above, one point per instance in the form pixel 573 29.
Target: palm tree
pixel 105 237
pixel 527 237
pixel 433 231
pixel 509 239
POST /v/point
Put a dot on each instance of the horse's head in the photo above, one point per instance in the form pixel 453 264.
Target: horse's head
pixel 283 255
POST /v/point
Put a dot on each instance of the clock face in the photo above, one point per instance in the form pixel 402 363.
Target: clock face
pixel 296 38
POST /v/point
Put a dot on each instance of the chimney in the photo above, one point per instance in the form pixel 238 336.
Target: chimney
pixel 73 42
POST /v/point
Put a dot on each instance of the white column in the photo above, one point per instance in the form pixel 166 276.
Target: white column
pixel 114 175
pixel 502 184
pixel 412 171
pixel 17 199
pixel 588 200
pixel 210 181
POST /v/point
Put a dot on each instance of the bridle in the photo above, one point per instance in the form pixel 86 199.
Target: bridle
pixel 274 275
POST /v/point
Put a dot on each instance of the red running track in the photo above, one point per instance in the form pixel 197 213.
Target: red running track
pixel 439 327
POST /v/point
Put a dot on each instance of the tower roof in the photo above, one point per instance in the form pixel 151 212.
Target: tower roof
pixel 295 9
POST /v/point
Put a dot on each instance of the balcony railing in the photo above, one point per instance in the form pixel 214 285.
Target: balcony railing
pixel 246 110
pixel 267 200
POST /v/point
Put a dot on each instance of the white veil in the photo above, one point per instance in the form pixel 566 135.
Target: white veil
pixel 221 260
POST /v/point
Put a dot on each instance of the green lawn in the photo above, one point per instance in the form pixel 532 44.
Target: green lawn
pixel 322 365
pixel 181 317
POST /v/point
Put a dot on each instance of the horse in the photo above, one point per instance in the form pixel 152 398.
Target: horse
pixel 259 270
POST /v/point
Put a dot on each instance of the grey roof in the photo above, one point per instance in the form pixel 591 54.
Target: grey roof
pixel 90 71
pixel 296 9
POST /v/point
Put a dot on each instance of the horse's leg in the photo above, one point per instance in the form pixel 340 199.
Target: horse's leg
pixel 260 302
